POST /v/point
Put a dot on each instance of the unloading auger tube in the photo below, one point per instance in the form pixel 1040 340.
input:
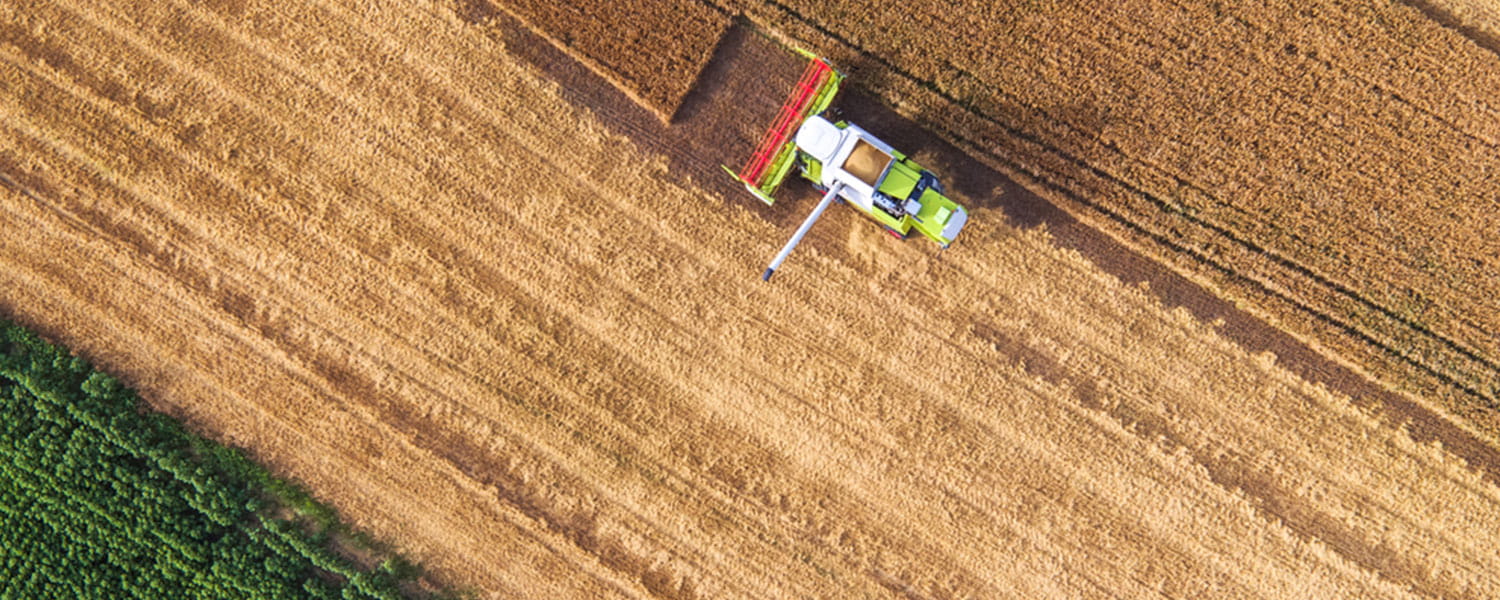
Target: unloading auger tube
pixel 786 250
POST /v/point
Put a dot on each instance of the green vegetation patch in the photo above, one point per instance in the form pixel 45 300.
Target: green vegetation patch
pixel 102 498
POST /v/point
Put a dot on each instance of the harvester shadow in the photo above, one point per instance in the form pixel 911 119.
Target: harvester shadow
pixel 737 96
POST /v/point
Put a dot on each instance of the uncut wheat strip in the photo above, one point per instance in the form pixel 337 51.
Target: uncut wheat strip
pixel 535 16
pixel 1424 64
pixel 1347 34
pixel 1379 149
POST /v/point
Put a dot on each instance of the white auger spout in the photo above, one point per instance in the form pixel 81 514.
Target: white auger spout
pixel 786 250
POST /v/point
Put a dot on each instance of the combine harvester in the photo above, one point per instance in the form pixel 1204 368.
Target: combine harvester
pixel 846 162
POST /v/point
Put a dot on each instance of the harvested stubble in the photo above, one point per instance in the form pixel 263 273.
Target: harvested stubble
pixel 1331 164
pixel 457 316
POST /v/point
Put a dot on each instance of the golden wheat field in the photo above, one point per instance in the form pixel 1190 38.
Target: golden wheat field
pixel 416 256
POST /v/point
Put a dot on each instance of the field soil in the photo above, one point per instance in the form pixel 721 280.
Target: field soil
pixel 503 317
pixel 1330 165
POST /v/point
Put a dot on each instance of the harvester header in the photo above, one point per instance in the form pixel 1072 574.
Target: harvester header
pixel 774 155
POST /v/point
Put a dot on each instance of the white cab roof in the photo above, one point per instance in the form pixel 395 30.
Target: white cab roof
pixel 819 138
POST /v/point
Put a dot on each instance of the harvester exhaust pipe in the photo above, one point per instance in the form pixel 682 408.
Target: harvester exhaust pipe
pixel 786 250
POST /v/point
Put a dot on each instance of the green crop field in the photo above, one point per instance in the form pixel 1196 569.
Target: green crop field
pixel 101 499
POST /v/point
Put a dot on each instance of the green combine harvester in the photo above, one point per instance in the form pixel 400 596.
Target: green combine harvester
pixel 844 161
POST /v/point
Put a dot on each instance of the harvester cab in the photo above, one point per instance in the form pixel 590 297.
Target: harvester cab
pixel 843 161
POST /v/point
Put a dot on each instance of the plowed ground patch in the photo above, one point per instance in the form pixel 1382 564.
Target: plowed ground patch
pixel 380 247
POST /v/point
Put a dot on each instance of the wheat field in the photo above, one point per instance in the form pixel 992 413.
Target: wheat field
pixel 393 261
